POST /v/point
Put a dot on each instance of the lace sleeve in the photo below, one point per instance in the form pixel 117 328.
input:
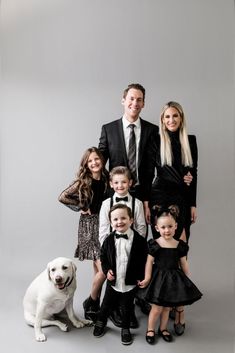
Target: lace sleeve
pixel 69 197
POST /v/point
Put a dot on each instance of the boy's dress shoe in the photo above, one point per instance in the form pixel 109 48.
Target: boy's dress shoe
pixel 126 336
pixel 99 329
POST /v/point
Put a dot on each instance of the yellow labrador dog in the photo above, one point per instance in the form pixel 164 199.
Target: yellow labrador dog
pixel 50 293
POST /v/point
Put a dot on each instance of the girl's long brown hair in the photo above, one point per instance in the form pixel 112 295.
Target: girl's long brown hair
pixel 84 177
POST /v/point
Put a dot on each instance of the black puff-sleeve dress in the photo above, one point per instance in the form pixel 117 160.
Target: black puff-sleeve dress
pixel 169 286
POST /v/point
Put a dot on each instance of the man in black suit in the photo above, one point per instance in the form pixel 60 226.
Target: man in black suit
pixel 114 145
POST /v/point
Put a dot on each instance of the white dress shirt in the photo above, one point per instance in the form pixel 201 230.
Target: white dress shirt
pixel 104 224
pixel 123 249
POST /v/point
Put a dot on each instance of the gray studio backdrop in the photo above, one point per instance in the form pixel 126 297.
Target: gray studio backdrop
pixel 64 65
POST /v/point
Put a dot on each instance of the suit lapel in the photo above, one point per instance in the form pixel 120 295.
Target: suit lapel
pixel 142 140
pixel 122 139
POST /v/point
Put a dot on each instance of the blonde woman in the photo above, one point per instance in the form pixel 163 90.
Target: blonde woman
pixel 176 157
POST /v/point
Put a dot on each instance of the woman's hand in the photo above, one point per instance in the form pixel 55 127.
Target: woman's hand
pixel 193 214
pixel 147 212
pixel 110 275
pixel 188 178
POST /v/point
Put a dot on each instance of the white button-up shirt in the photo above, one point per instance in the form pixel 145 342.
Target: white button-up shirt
pixel 123 249
pixel 104 223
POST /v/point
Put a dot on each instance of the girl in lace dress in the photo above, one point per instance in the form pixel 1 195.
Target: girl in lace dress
pixel 86 194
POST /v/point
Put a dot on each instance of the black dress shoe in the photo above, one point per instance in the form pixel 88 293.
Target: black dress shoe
pixel 167 337
pixel 115 317
pixel 179 327
pixel 99 329
pixel 91 308
pixel 150 339
pixel 145 307
pixel 126 336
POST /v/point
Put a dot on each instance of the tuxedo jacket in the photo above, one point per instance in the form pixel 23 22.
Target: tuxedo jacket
pixel 112 146
pixel 136 262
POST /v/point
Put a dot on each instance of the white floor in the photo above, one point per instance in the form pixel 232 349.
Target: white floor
pixel 210 326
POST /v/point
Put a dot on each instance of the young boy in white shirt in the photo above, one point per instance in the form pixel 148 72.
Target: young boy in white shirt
pixel 120 181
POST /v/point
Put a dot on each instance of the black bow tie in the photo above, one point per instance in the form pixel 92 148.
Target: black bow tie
pixel 122 199
pixel 124 236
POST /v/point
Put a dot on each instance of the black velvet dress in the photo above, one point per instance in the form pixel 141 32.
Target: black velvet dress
pixel 169 286
pixel 169 188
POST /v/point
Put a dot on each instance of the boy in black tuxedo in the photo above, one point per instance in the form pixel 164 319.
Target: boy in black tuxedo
pixel 123 258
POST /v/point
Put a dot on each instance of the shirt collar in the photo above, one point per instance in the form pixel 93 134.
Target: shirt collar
pixel 116 195
pixel 126 122
pixel 128 232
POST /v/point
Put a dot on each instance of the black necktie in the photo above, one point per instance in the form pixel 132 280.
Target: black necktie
pixel 132 153
pixel 121 199
pixel 124 236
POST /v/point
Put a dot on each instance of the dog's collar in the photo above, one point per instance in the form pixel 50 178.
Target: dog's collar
pixel 68 282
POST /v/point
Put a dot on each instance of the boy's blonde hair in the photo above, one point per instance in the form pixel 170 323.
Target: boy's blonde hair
pixel 120 170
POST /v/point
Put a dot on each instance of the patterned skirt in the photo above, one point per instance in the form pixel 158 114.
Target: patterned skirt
pixel 88 247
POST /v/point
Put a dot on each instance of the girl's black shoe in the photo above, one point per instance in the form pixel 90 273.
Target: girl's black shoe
pixel 150 339
pixel 167 337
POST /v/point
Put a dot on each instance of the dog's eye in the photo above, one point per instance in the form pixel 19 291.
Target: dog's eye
pixel 64 267
pixel 53 269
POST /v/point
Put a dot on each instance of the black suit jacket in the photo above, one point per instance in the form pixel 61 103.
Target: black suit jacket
pixel 136 262
pixel 112 146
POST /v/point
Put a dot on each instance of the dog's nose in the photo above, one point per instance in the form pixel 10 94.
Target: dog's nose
pixel 58 279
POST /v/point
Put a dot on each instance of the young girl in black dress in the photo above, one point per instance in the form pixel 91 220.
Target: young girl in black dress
pixel 166 283
pixel 86 194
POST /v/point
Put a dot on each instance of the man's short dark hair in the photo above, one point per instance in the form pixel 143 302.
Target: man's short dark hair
pixel 134 86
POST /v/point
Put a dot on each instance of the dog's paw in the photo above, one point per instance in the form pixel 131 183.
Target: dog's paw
pixel 88 322
pixel 40 337
pixel 64 327
pixel 78 324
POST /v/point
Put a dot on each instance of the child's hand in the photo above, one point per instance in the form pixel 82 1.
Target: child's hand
pixel 86 212
pixel 143 283
pixel 110 275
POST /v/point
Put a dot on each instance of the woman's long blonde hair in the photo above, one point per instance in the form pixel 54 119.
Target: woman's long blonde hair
pixel 165 146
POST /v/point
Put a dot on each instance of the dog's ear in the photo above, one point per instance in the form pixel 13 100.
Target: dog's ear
pixel 48 270
pixel 74 267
